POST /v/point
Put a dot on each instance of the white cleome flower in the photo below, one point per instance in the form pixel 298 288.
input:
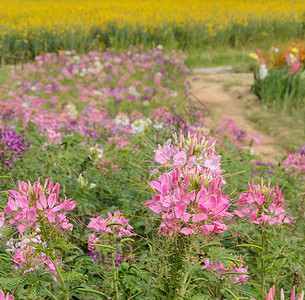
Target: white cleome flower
pixel 72 109
pixel 138 126
pixel 92 185
pixel 262 71
pixel 121 120
pixel 158 125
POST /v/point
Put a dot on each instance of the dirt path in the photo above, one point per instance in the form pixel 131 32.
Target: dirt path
pixel 227 95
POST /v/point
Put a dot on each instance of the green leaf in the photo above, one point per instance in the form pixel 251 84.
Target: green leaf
pixel 81 289
pixel 127 240
pixel 114 217
pixel 114 224
pixel 103 246
pixel 199 279
pixel 211 244
pixel 230 292
pixel 160 292
pixel 240 273
pixel 249 245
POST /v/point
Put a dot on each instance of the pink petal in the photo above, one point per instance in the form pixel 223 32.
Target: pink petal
pixel 187 231
pixel 180 210
pixel 1 220
pixel 288 220
pixel 186 217
pixel 21 228
pixel 52 200
pixel 199 217
pixel 293 293
pixel 51 216
pixel 43 200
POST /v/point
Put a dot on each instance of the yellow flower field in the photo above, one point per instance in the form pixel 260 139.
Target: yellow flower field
pixel 31 27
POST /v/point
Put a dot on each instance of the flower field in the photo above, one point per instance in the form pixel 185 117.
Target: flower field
pixel 279 76
pixel 114 186
pixel 116 179
pixel 29 28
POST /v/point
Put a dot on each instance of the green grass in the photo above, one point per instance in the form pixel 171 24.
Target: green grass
pixel 5 73
pixel 225 55
pixel 287 128
pixel 228 45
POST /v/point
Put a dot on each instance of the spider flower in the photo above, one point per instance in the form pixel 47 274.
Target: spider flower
pixel 189 198
pixel 270 295
pixel 7 297
pixel 294 164
pixel 234 270
pixel 262 205
pixel 192 205
pixel 32 204
pixel 191 152
pixel 12 147
pixel 120 228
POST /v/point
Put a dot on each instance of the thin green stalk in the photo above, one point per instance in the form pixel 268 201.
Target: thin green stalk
pixel 188 274
pixel 58 270
pixel 50 294
pixel 263 263
pixel 116 278
pixel 184 283
pixel 174 270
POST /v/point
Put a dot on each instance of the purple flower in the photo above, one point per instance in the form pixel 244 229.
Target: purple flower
pixel 303 149
pixel 12 147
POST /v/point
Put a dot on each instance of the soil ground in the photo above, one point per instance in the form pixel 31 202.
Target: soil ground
pixel 227 95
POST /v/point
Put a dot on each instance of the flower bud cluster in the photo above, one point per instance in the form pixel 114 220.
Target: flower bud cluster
pixel 12 147
pixel 189 196
pixel 31 204
pixel 232 271
pixel 262 205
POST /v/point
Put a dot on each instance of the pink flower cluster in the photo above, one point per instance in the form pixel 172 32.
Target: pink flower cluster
pixel 26 258
pixel 262 205
pixel 294 164
pixel 196 153
pixel 189 197
pixel 270 295
pixel 221 270
pixel 103 226
pixel 239 137
pixel 7 297
pixel 98 79
pixel 28 206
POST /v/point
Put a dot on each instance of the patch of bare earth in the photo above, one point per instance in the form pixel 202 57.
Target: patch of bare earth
pixel 227 95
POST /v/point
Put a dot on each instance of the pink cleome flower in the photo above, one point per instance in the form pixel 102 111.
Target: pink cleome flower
pixel 26 257
pixel 262 205
pixel 7 297
pixel 101 226
pixel 221 270
pixel 192 152
pixel 31 204
pixel 189 196
pixel 294 164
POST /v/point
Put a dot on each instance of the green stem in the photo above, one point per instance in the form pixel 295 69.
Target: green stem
pixel 174 270
pixel 50 294
pixel 188 273
pixel 263 264
pixel 58 270
pixel 61 278
pixel 115 275
pixel 185 284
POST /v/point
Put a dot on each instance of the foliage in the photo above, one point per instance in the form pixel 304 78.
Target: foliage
pixel 72 24
pixel 111 154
